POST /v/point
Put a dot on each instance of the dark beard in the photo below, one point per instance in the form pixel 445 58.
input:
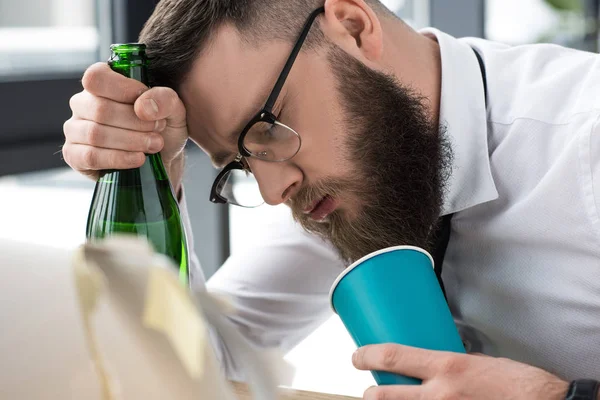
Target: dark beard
pixel 402 162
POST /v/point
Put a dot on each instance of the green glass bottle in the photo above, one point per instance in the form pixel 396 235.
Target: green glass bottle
pixel 139 201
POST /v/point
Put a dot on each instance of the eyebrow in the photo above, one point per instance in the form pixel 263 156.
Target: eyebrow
pixel 219 159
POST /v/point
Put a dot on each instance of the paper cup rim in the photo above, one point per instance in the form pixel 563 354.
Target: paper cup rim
pixel 371 255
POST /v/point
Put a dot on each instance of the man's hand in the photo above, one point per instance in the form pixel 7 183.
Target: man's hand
pixel 449 375
pixel 116 120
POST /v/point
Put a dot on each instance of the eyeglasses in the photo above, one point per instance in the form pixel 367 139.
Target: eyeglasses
pixel 265 138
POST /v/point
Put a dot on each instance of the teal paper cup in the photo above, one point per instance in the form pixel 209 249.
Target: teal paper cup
pixel 393 296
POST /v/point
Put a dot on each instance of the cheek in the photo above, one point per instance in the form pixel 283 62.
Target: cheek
pixel 328 142
pixel 321 126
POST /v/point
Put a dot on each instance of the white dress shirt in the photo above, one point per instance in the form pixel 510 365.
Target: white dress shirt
pixel 522 268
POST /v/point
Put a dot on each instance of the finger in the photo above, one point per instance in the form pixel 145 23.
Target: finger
pixel 102 81
pixel 79 131
pixel 161 103
pixel 84 158
pixel 107 112
pixel 404 360
pixel 394 392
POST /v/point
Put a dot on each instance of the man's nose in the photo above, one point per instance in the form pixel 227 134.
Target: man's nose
pixel 278 181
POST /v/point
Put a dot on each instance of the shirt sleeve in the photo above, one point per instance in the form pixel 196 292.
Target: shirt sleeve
pixel 197 279
pixel 590 160
pixel 280 285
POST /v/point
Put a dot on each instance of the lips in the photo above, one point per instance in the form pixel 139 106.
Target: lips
pixel 320 209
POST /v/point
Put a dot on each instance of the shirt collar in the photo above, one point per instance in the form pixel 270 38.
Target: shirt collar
pixel 463 112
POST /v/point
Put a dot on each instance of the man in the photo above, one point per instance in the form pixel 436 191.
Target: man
pixel 371 134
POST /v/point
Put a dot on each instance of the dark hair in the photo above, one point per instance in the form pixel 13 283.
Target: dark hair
pixel 178 30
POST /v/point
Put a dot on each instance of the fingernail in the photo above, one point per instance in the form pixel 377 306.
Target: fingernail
pixel 355 357
pixel 160 125
pixel 150 107
pixel 154 144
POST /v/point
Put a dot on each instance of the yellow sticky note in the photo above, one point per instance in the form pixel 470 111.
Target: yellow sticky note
pixel 90 283
pixel 169 310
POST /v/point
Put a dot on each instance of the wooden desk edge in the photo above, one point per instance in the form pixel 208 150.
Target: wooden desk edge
pixel 241 390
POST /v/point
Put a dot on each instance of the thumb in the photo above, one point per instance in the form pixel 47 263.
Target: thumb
pixel 161 103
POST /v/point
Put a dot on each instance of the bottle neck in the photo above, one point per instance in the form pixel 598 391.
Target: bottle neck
pixel 155 166
pixel 152 170
pixel 137 72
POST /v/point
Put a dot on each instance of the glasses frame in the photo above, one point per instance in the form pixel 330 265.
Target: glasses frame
pixel 266 113
pixel 215 197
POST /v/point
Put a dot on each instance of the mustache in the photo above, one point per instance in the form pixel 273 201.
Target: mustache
pixel 311 193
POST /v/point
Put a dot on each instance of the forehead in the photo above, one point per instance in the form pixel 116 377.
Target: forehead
pixel 227 85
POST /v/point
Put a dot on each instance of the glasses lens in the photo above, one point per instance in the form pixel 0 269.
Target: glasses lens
pixel 240 188
pixel 272 142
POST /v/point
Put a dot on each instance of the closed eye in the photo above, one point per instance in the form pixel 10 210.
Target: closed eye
pixel 221 159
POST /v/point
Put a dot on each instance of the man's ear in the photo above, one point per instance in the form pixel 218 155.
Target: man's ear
pixel 355 27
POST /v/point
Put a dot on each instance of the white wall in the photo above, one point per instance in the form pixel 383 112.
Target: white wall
pixel 45 13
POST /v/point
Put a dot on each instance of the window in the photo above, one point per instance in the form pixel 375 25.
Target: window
pixel 413 12
pixel 47 37
pixel 571 23
pixel 45 45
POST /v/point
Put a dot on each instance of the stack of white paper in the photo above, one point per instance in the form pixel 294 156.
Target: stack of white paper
pixel 116 324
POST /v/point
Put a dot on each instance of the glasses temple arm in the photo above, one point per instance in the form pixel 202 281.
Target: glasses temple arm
pixel 290 61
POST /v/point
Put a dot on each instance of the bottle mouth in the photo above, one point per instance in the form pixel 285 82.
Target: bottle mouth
pixel 128 54
pixel 127 47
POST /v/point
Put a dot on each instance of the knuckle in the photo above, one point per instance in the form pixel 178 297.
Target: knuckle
pixel 172 98
pixel 114 160
pixel 168 97
pixel 73 101
pixel 101 110
pixel 94 134
pixel 124 93
pixel 164 93
pixel 89 158
pixel 92 76
pixel 452 365
pixel 376 393
pixel 66 127
pixel 65 154
pixel 389 357
pixel 447 394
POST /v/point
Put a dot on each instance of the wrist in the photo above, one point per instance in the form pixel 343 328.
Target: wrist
pixel 583 389
pixel 560 389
